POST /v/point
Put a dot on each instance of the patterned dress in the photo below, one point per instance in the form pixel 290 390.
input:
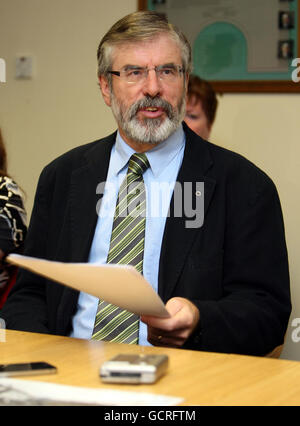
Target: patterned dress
pixel 12 228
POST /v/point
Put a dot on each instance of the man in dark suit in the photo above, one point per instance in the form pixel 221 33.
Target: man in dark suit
pixel 219 262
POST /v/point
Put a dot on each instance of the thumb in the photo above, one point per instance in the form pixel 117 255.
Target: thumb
pixel 174 305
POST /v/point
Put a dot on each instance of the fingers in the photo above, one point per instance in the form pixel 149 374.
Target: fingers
pixel 173 331
pixel 158 337
pixel 174 307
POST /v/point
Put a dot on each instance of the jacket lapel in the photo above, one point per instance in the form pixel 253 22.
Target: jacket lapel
pixel 178 235
pixel 84 199
pixel 83 218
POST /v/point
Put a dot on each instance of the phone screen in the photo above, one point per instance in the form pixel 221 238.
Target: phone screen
pixel 27 368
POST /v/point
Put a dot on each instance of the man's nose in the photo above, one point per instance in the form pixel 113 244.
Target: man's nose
pixel 152 84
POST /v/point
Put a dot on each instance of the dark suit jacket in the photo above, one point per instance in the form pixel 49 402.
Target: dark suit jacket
pixel 234 267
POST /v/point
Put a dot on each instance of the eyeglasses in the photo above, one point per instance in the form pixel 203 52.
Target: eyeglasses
pixel 134 74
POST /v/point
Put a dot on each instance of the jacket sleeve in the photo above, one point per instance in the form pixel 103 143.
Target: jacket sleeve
pixel 251 316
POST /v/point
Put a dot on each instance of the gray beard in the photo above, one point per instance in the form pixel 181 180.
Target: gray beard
pixel 149 130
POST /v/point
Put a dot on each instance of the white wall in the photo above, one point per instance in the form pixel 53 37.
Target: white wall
pixel 61 106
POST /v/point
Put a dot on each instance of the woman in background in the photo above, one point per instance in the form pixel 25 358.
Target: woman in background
pixel 201 106
pixel 12 224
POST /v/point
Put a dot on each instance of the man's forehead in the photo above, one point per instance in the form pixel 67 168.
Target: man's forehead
pixel 159 50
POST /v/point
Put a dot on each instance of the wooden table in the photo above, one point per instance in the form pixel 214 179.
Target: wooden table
pixel 201 378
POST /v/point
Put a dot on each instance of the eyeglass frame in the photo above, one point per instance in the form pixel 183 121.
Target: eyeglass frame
pixel 180 69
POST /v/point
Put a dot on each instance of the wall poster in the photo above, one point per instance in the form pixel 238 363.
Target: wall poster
pixel 240 45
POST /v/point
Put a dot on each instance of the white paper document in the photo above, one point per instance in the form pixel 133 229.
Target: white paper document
pixel 121 285
pixel 28 392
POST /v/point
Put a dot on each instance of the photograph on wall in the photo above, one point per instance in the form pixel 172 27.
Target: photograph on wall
pixel 286 20
pixel 285 49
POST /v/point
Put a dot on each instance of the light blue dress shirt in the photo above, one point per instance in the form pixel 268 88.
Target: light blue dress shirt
pixel 165 160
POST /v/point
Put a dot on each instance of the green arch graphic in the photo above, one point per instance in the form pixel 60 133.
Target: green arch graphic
pixel 220 53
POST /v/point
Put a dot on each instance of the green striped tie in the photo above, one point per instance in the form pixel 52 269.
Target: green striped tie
pixel 126 247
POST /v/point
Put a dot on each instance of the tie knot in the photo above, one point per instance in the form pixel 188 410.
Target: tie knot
pixel 138 163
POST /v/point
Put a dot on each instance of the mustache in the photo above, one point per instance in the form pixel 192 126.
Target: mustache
pixel 150 102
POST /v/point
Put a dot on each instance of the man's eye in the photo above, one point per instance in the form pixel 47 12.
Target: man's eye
pixel 133 73
pixel 167 71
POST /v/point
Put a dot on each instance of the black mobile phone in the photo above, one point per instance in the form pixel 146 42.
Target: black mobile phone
pixel 26 369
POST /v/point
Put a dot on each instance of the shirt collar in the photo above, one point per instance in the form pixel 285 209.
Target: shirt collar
pixel 159 156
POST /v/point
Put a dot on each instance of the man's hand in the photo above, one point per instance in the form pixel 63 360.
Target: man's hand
pixel 173 331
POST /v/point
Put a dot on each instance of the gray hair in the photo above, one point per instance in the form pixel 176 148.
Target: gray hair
pixel 138 27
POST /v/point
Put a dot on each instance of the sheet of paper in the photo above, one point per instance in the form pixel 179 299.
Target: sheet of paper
pixel 121 285
pixel 29 392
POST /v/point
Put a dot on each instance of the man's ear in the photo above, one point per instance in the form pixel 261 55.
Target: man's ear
pixel 105 90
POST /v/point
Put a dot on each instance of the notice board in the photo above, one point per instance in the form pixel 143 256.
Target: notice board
pixel 239 45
